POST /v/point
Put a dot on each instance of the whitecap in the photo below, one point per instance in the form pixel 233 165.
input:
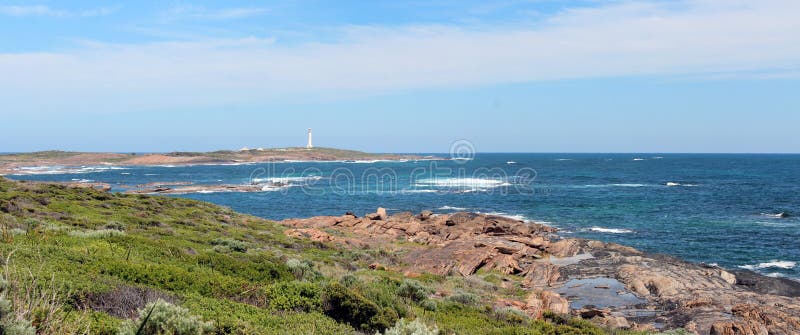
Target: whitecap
pixel 284 180
pixel 511 162
pixel 82 180
pixel 371 161
pixel 517 217
pixel 461 182
pixel 781 215
pixel 125 173
pixel 775 275
pixel 418 191
pixel 58 169
pixel 779 264
pixel 272 188
pixel 612 185
pixel 563 159
pixel 611 230
pixel 452 208
pixel 672 183
pixel 638 159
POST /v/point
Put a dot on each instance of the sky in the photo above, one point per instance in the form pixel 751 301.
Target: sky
pixel 401 76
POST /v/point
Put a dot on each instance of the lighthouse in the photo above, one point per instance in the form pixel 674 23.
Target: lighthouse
pixel 309 145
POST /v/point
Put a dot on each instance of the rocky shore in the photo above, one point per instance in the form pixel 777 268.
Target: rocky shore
pixel 610 284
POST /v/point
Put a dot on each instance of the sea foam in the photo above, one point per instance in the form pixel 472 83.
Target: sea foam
pixel 452 208
pixel 611 230
pixel 774 264
pixel 462 182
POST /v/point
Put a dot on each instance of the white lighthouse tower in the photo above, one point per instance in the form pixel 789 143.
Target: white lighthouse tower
pixel 309 145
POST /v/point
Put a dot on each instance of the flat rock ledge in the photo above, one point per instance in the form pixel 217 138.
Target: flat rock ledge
pixel 611 284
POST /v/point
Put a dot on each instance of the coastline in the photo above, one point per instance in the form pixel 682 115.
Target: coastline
pixel 504 263
pixel 614 285
pixel 73 162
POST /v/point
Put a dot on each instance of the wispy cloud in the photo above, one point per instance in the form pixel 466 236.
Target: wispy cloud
pixel 199 12
pixel 42 10
pixel 690 38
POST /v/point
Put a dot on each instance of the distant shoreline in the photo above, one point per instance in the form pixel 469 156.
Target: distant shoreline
pixel 25 163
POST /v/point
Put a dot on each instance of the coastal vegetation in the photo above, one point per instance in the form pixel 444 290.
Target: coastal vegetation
pixel 79 260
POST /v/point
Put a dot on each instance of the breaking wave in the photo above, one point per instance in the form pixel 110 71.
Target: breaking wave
pixel 34 170
pixel 780 215
pixel 451 208
pixel 610 230
pixel 672 183
pixel 461 183
pixel 284 180
pixel 774 264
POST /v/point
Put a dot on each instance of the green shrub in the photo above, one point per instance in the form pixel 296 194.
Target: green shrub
pixel 302 270
pixel 17 231
pixel 161 317
pixel 100 233
pixel 221 244
pixel 464 298
pixel 17 327
pixel 679 331
pixel 511 315
pixel 345 305
pixel 416 327
pixel 116 225
pixel 7 221
pixel 349 280
pixel 9 324
pixel 428 305
pixel 32 223
pixel 413 290
pixel 294 296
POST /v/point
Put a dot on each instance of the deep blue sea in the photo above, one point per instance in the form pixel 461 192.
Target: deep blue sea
pixel 713 208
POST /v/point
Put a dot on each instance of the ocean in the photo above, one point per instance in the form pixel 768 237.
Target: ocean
pixel 714 208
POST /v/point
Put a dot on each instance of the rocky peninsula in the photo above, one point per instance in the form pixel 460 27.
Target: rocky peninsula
pixel 29 163
pixel 610 284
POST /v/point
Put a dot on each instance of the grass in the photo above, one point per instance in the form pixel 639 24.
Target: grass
pixel 79 261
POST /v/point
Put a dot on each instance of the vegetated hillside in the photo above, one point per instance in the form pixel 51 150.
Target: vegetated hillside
pixel 78 260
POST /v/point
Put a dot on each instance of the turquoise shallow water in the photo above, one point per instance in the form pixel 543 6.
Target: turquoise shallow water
pixel 701 207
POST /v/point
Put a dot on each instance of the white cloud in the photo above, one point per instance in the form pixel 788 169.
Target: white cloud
pixel 691 38
pixel 42 10
pixel 198 12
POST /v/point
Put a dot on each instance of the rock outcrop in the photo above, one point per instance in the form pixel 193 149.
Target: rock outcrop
pixel 612 285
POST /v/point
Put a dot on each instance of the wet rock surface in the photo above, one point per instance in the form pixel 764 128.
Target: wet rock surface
pixel 611 284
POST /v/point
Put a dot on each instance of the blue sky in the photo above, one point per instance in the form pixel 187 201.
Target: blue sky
pixel 394 76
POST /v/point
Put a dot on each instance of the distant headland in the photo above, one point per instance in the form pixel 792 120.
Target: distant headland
pixel 16 163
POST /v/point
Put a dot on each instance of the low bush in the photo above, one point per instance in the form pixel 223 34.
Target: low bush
pixel 428 305
pixel 162 317
pixel 416 327
pixel 225 244
pixel 345 305
pixel 9 323
pixel 303 270
pixel 100 233
pixel 116 225
pixel 348 280
pixel 464 298
pixel 511 315
pixel 294 296
pixel 413 290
